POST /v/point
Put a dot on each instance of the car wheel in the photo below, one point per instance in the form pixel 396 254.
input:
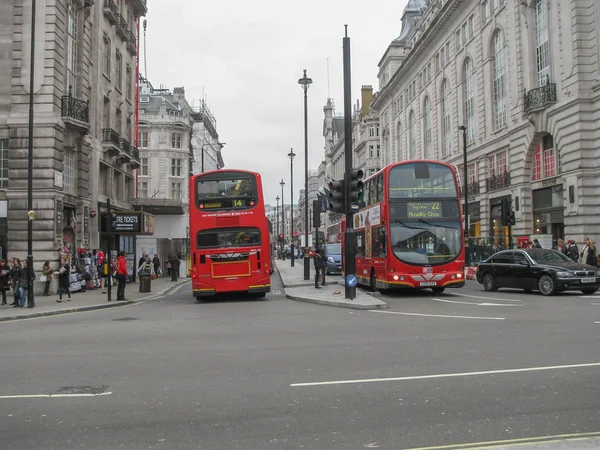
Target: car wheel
pixel 438 290
pixel 546 285
pixel 589 291
pixel 373 281
pixel 489 284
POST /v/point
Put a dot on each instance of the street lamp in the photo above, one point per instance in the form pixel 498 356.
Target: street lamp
pixel 305 82
pixel 277 218
pixel 282 183
pixel 465 181
pixel 291 154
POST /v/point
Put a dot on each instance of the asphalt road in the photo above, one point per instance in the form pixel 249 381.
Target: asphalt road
pixel 258 374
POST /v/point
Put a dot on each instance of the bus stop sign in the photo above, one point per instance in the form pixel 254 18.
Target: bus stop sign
pixel 354 207
pixel 351 280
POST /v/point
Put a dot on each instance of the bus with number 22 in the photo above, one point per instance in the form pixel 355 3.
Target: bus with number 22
pixel 229 234
pixel 409 230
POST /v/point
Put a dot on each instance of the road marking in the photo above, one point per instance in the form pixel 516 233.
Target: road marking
pixel 589 296
pixel 488 298
pixel 596 322
pixel 448 375
pixel 4 397
pixel 471 303
pixel 513 442
pixel 437 315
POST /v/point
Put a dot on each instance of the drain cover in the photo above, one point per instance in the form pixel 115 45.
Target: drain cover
pixel 125 319
pixel 94 390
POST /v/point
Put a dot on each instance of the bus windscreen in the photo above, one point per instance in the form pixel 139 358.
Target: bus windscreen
pixel 228 237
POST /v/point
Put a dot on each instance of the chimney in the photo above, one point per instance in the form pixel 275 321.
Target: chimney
pixel 367 97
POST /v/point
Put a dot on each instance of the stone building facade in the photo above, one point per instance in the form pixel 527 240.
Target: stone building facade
pixel 84 105
pixel 523 79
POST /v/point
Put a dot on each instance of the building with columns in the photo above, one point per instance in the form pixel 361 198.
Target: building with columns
pixel 84 120
pixel 524 81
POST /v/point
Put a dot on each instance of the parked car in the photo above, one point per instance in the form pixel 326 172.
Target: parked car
pixel 537 269
pixel 332 255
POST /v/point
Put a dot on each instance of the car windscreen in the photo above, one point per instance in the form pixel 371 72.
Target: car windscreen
pixel 333 249
pixel 548 257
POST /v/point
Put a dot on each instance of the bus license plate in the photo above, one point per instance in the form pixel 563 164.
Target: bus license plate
pixel 428 283
pixel 588 280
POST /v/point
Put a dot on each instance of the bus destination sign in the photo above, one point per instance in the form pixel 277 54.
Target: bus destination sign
pixel 422 210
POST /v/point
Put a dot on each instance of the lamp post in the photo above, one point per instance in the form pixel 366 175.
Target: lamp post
pixel 305 82
pixel 277 218
pixel 291 154
pixel 465 181
pixel 282 183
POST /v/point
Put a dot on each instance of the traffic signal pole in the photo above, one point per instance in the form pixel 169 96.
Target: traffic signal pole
pixel 350 236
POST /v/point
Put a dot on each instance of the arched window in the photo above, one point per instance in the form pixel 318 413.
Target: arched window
pixel 399 155
pixel 469 99
pixel 499 80
pixel 446 121
pixel 412 138
pixel 542 43
pixel 428 148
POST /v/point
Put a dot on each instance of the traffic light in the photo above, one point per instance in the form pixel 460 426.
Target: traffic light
pixel 336 196
pixel 507 214
pixel 511 218
pixel 280 237
pixel 356 185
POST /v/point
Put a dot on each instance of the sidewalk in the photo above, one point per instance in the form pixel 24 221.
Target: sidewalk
pixel 332 294
pixel 86 301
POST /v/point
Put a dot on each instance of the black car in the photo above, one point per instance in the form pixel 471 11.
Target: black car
pixel 547 271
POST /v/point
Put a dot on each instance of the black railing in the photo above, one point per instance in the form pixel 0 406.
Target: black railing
pixel 131 42
pixel 496 182
pixel 110 136
pixel 473 189
pixel 122 28
pixel 75 109
pixel 125 146
pixel 110 10
pixel 135 153
pixel 540 97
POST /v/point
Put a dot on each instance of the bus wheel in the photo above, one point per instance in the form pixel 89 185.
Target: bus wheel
pixel 438 290
pixel 373 281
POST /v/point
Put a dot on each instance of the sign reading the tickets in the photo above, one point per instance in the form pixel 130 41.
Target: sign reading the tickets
pixel 351 280
pixel 135 222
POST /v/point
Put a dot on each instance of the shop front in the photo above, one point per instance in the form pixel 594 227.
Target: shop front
pixel 548 211
pixel 498 232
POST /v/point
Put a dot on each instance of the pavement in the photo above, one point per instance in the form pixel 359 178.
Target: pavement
pixel 332 294
pixel 86 301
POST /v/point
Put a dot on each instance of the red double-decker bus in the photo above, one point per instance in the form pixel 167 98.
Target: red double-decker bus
pixel 409 229
pixel 229 234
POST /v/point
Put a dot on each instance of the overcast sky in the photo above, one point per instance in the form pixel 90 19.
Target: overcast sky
pixel 248 57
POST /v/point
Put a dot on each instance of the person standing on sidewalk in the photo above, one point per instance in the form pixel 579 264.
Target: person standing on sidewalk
pixel 4 280
pixel 318 260
pixel 47 273
pixel 28 277
pixel 156 263
pixel 121 275
pixel 64 279
pixel 16 275
pixel 175 264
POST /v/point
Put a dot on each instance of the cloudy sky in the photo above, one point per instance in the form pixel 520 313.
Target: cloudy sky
pixel 248 57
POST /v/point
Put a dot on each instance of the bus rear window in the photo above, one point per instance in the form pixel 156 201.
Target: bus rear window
pixel 422 179
pixel 228 237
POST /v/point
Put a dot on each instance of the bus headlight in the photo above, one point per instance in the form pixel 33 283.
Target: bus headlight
pixel 395 277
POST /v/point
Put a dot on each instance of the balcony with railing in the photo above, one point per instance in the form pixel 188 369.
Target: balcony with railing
pixel 111 11
pixel 539 98
pixel 135 158
pixel 497 182
pixel 110 141
pixel 139 7
pixel 131 43
pixel 125 153
pixel 122 29
pixel 75 112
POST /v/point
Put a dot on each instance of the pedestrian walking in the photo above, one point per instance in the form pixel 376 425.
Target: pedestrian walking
pixel 589 254
pixel 318 261
pixel 169 265
pixel 572 250
pixel 46 277
pixel 156 263
pixel 175 264
pixel 64 279
pixel 16 275
pixel 4 280
pixel 121 275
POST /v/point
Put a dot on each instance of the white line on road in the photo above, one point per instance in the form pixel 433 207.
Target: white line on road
pixel 4 397
pixel 437 315
pixel 589 296
pixel 448 375
pixel 471 303
pixel 488 298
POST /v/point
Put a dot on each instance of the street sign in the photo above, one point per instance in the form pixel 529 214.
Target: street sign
pixel 351 280
pixel 354 207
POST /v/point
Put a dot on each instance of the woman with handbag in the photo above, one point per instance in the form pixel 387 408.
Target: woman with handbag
pixel 46 277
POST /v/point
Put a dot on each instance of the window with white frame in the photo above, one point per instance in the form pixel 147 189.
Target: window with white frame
pixel 106 54
pixel 469 99
pixel 377 131
pixel 71 45
pixel 143 139
pixel 176 140
pixel 176 190
pixel 545 163
pixel 459 41
pixel 378 151
pixel 119 70
pixel 497 164
pixel 69 171
pixel 145 168
pixel 446 120
pixel 443 57
pixel 427 129
pixel 372 131
pixel 412 138
pixel 371 148
pixel 128 82
pixel 143 189
pixel 499 80
pixel 471 26
pixel 542 43
pixel 485 11
pixel 176 167
pixel 3 163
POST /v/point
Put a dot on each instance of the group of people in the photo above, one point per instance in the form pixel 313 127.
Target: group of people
pixel 588 255
pixel 17 278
